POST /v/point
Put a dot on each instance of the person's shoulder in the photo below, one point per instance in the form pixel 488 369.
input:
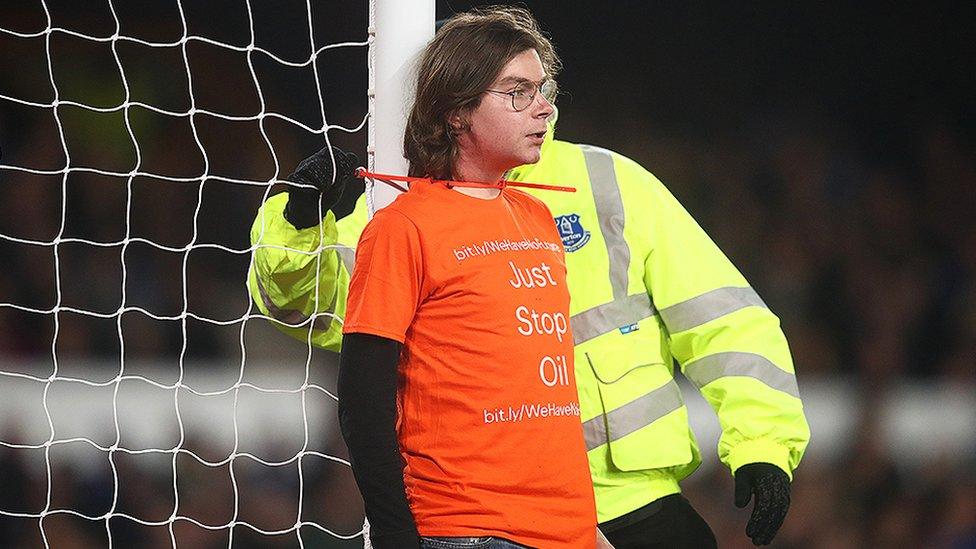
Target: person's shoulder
pixel 558 152
pixel 522 197
pixel 529 203
pixel 411 205
pixel 396 217
pixel 560 146
pixel 627 170
pixel 566 147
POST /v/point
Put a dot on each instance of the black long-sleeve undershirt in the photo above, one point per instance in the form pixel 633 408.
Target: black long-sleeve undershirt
pixel 367 389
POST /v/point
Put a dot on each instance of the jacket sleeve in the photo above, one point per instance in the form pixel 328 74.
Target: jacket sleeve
pixel 300 278
pixel 726 340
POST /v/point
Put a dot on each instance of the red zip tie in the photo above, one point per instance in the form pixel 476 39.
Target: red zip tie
pixel 501 184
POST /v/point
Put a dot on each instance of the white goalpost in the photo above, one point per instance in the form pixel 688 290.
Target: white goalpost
pixel 144 400
pixel 399 30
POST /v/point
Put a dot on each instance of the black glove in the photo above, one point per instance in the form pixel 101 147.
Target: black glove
pixel 302 210
pixel 772 489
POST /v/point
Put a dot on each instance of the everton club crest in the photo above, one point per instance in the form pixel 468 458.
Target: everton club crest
pixel 572 232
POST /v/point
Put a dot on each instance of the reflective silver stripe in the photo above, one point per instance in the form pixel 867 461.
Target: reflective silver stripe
pixel 610 214
pixel 707 369
pixel 347 255
pixel 608 317
pixel 291 316
pixel 595 432
pixel 708 306
pixel 634 415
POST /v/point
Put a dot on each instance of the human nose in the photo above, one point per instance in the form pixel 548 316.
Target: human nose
pixel 542 104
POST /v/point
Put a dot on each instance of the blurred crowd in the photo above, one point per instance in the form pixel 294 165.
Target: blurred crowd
pixel 870 264
pixel 869 259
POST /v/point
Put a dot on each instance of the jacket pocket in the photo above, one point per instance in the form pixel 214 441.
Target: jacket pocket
pixel 646 422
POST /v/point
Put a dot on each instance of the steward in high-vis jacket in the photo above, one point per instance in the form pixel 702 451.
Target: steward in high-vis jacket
pixel 649 289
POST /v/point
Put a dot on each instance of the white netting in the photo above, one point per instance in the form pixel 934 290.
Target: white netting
pixel 143 398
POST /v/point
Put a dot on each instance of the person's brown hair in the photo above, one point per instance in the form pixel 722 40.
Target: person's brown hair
pixel 455 69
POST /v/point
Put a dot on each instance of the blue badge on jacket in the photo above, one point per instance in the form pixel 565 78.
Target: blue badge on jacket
pixel 572 232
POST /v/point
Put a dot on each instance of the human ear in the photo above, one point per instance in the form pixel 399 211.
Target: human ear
pixel 457 123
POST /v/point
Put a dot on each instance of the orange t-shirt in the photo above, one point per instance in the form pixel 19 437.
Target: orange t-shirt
pixel 488 420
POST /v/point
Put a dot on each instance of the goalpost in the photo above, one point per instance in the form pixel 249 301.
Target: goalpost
pixel 401 31
pixel 143 398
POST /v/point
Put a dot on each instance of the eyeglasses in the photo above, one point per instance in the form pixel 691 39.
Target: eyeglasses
pixel 523 94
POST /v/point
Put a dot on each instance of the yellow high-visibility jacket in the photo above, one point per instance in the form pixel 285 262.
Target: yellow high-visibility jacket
pixel 648 287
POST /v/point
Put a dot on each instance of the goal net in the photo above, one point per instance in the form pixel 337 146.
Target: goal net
pixel 144 400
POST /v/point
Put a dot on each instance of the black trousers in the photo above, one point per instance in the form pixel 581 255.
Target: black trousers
pixel 668 523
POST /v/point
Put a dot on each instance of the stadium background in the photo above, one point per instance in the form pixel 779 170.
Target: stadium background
pixel 829 150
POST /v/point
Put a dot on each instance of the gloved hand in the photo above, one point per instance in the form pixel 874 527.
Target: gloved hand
pixel 302 210
pixel 771 487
